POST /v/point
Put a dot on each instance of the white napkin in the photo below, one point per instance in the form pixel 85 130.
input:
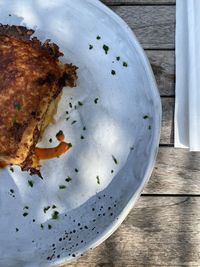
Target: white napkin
pixel 187 107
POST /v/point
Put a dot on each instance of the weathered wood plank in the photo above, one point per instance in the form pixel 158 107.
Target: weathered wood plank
pixel 138 2
pixel 153 25
pixel 167 130
pixel 177 171
pixel 160 231
pixel 163 65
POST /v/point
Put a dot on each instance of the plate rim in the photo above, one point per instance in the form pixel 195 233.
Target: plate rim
pixel 155 140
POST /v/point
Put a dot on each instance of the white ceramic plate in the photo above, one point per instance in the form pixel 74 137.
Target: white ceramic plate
pixel 121 111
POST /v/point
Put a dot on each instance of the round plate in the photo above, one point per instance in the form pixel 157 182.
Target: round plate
pixel 112 119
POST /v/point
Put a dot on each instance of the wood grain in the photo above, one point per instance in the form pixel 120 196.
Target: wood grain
pixel 153 25
pixel 163 65
pixel 177 171
pixel 160 231
pixel 139 2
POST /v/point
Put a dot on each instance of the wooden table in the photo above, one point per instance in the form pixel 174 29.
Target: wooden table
pixel 163 229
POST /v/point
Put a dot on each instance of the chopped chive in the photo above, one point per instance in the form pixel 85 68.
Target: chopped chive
pixel 49 226
pixel 82 137
pixel 30 183
pixel 106 49
pixel 25 214
pixel 90 47
pixel 115 160
pixel 41 225
pixel 96 100
pixel 118 58
pixel 62 187
pixel 67 118
pixel 76 170
pixel 67 112
pixel 98 37
pixel 132 148
pixel 54 207
pixel 55 215
pixel 12 191
pixel 146 117
pixel 11 169
pixel 80 103
pixel 149 127
pixel 45 209
pixel 70 105
pixel 26 208
pixel 17 106
pixel 125 64
pixel 113 72
pixel 84 128
pixel 73 122
pixel 16 229
pixel 50 140
pixel 112 171
pixel 68 179
pixel 98 180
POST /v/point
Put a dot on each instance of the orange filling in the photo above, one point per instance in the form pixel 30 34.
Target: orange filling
pixel 49 153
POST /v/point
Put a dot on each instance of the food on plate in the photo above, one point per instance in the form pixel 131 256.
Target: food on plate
pixel 31 82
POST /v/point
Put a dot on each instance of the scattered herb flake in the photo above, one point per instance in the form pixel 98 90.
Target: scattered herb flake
pixel 132 148
pixel 25 214
pixel 73 122
pixel 11 169
pixel 49 226
pixel 16 229
pixel 106 49
pixel 90 47
pixel 98 180
pixel 68 179
pixel 113 72
pixel 26 208
pixel 115 160
pixel 62 187
pixel 12 191
pixel 96 100
pixel 76 170
pixel 98 37
pixel 146 117
pixel 112 171
pixel 125 64
pixel 70 104
pixel 45 209
pixel 67 118
pixel 17 106
pixel 149 127
pixel 84 128
pixel 30 183
pixel 67 112
pixel 50 140
pixel 42 226
pixel 75 107
pixel 80 103
pixel 82 137
pixel 118 58
pixel 55 215
pixel 54 207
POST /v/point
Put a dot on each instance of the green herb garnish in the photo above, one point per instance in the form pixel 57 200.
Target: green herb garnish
pixel 149 127
pixel 30 183
pixel 73 122
pixel 98 37
pixel 11 169
pixel 98 180
pixel 50 140
pixel 96 100
pixel 16 229
pixel 115 160
pixel 62 187
pixel 70 105
pixel 41 225
pixel 54 207
pixel 90 47
pixel 82 137
pixel 106 49
pixel 25 214
pixel 118 58
pixel 12 191
pixel 55 215
pixel 49 226
pixel 17 106
pixel 68 179
pixel 113 72
pixel 84 128
pixel 26 208
pixel 146 117
pixel 76 170
pixel 45 209
pixel 125 64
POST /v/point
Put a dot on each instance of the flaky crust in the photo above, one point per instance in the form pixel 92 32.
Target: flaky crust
pixel 31 77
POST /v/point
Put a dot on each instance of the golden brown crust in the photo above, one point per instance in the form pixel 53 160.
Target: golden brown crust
pixel 31 76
